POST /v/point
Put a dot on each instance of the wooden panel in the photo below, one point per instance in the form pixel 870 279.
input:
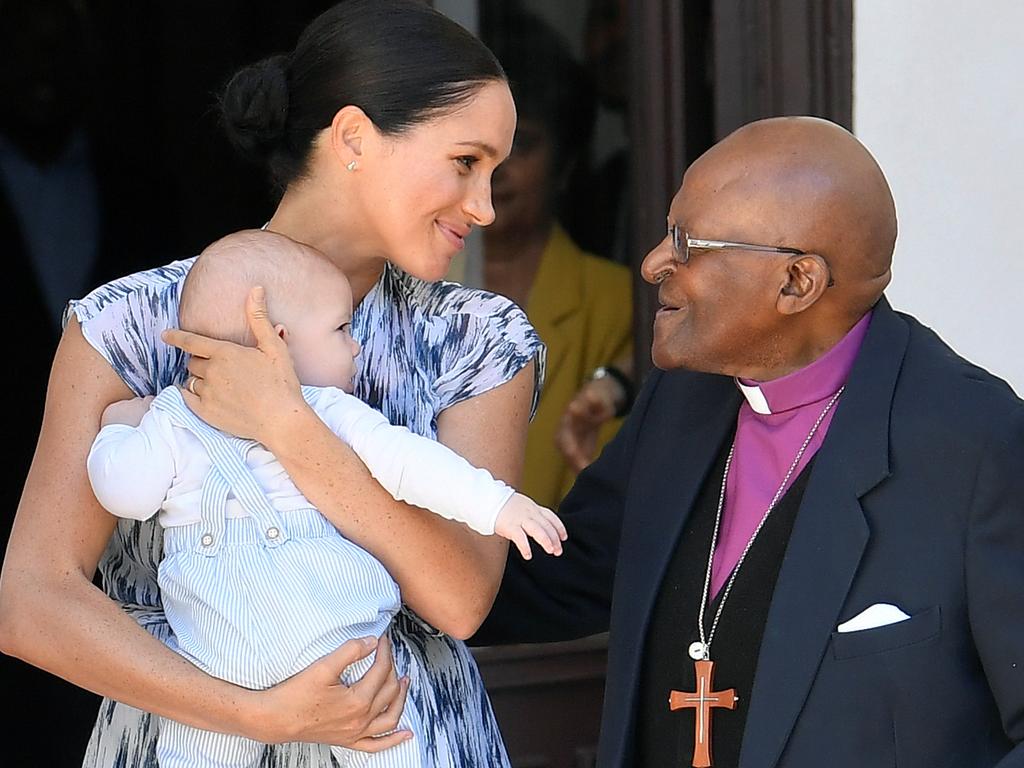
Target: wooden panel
pixel 782 57
pixel 547 699
pixel 658 148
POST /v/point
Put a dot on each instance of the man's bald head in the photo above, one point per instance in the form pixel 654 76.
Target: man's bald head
pixel 810 184
pixel 213 296
pixel 804 186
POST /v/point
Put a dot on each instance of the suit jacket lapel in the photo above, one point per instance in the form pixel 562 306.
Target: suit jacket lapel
pixel 826 544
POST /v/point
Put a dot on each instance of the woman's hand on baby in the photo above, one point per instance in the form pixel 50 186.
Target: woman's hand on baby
pixel 315 706
pixel 128 412
pixel 522 519
pixel 241 390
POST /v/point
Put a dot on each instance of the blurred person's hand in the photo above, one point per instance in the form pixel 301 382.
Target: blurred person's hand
pixel 596 402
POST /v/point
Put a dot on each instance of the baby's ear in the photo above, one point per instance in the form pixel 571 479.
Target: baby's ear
pixel 282 332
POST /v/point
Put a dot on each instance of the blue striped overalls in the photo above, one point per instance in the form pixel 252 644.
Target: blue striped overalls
pixel 254 600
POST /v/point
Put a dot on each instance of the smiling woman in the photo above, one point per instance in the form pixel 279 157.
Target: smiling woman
pixel 382 128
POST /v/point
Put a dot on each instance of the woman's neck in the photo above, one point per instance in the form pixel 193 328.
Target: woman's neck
pixel 511 262
pixel 313 216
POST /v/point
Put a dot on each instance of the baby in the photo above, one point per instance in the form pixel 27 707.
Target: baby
pixel 256 583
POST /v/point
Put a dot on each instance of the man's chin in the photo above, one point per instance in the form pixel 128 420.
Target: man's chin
pixel 665 359
pixel 665 354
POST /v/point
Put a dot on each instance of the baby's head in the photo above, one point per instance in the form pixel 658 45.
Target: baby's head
pixel 309 301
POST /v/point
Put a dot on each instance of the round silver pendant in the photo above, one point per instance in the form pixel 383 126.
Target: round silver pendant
pixel 697 650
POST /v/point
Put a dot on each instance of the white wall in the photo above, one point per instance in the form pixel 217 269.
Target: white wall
pixel 939 100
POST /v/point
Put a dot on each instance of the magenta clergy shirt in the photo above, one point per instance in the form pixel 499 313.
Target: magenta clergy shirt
pixel 773 423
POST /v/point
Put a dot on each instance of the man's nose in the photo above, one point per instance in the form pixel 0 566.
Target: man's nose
pixel 658 263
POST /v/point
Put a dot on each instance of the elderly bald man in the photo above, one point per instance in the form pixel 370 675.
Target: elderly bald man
pixel 808 539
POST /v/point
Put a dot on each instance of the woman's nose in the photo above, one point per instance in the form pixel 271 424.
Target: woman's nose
pixel 478 205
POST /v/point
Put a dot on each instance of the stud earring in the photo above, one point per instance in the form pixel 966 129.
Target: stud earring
pixel 351 166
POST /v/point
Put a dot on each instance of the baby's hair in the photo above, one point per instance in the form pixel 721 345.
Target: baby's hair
pixel 213 296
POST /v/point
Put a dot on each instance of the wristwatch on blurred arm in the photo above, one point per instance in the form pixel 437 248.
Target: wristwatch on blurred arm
pixel 628 393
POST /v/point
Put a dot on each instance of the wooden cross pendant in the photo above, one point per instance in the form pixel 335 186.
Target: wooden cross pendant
pixel 702 700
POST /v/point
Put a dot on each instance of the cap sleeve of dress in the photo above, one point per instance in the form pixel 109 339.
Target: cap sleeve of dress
pixel 483 340
pixel 123 320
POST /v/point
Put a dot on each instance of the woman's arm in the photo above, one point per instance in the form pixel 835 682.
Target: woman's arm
pixel 448 574
pixel 52 616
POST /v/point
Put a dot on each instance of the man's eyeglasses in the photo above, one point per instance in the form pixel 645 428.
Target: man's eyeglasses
pixel 683 244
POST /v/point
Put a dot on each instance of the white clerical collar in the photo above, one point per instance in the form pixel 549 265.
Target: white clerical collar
pixel 813 383
pixel 755 398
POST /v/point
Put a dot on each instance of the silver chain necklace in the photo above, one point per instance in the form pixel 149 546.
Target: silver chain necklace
pixel 700 650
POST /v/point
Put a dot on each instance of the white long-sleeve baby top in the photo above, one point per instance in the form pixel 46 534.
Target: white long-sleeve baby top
pixel 159 467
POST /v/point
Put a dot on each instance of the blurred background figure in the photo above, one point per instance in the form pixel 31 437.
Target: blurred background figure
pixel 599 221
pixel 579 303
pixel 51 229
pixel 110 162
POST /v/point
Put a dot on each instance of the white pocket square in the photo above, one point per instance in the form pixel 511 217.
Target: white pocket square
pixel 878 615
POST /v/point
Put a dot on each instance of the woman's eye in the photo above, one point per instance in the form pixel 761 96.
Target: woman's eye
pixel 466 161
pixel 345 327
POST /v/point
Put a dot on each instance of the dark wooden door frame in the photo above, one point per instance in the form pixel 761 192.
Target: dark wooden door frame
pixel 761 58
pixel 782 57
pixel 657 127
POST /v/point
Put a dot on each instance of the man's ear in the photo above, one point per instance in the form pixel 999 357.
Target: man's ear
pixel 349 129
pixel 807 277
pixel 282 332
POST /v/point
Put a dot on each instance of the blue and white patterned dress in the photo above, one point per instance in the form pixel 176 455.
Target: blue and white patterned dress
pixel 425 347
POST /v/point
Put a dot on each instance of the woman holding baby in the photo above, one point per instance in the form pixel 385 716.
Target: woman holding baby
pixel 383 129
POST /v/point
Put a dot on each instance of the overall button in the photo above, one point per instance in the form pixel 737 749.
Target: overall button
pixel 273 533
pixel 207 540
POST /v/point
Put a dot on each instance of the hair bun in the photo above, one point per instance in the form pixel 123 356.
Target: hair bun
pixel 254 107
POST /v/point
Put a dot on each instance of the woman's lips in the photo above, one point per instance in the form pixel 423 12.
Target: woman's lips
pixel 453 237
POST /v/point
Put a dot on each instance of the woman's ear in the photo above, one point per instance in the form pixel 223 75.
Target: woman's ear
pixel 807 277
pixel 282 332
pixel 349 129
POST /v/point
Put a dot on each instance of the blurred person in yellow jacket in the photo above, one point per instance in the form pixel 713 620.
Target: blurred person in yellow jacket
pixel 579 303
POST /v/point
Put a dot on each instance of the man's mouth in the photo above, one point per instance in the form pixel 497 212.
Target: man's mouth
pixel 666 307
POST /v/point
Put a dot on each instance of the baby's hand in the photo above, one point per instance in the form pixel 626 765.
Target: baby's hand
pixel 522 517
pixel 128 412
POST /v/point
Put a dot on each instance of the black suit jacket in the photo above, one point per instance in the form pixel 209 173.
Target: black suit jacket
pixel 916 498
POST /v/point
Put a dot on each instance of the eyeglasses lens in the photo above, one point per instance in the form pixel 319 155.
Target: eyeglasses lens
pixel 679 247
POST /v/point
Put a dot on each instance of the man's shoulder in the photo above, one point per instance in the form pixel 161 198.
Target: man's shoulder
pixel 931 365
pixel 940 387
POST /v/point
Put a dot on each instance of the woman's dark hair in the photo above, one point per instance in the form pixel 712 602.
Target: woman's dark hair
pixel 400 61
